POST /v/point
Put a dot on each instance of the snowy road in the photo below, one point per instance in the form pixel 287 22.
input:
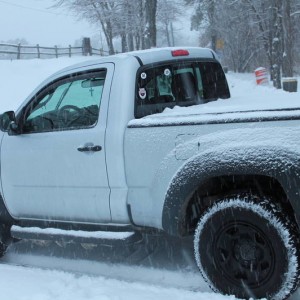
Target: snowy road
pixel 157 268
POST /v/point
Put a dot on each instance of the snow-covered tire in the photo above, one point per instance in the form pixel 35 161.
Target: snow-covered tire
pixel 246 247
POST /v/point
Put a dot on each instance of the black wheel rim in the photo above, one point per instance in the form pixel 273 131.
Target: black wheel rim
pixel 244 254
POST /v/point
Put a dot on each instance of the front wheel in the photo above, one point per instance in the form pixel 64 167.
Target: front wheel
pixel 248 249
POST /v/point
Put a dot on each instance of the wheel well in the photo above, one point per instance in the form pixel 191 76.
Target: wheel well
pixel 215 188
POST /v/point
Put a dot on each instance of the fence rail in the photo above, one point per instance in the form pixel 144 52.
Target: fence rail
pixel 18 51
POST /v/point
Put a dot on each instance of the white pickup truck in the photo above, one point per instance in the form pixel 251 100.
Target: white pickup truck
pixel 92 149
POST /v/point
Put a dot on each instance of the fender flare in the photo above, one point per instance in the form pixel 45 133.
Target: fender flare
pixel 279 163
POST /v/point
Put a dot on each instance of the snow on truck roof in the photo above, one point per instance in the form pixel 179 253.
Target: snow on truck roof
pixel 148 56
pixel 171 53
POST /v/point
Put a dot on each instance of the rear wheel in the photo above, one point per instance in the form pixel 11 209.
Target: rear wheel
pixel 247 248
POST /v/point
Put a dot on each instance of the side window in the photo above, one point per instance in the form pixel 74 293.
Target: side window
pixel 70 103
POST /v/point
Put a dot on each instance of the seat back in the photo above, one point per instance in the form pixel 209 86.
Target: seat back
pixel 184 87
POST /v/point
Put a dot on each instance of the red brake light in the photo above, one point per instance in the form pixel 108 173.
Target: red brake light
pixel 180 52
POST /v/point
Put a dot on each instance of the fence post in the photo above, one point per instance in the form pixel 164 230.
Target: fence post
pixel 56 51
pixel 70 51
pixel 19 51
pixel 86 46
pixel 38 50
pixel 101 51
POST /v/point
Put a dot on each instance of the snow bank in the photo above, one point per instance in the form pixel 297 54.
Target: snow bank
pixel 37 284
pixel 19 77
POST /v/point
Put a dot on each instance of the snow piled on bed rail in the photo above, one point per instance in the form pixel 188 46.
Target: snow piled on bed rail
pixel 248 101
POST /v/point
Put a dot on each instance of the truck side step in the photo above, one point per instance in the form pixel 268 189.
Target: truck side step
pixel 76 236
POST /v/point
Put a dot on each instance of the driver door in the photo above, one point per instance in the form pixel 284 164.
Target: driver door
pixel 55 168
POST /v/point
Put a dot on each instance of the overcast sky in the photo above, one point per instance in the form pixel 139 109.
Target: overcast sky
pixel 35 22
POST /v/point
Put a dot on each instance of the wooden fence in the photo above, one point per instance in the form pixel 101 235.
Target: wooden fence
pixel 13 51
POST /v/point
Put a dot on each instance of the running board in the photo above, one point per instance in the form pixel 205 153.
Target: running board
pixel 78 236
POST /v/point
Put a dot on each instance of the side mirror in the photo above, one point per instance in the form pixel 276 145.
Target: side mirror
pixel 8 122
pixel 5 120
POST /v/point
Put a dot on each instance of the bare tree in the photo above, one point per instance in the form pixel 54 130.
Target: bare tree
pixel 288 42
pixel 253 31
pixel 151 8
pixel 96 12
pixel 134 22
pixel 168 12
pixel 240 45
pixel 206 11
pixel 277 41
pixel 273 19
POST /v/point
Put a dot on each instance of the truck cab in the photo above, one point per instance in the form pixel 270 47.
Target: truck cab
pixel 63 151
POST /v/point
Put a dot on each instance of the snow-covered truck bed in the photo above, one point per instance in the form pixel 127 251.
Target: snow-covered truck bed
pixel 103 145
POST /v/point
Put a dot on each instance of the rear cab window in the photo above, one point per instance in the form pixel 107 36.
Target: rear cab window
pixel 183 83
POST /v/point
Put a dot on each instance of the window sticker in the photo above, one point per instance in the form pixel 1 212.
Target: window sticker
pixel 167 72
pixel 142 93
pixel 143 75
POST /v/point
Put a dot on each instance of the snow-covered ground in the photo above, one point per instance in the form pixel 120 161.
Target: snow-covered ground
pixel 20 283
pixel 30 272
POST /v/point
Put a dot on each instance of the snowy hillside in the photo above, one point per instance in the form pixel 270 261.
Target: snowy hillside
pixel 35 272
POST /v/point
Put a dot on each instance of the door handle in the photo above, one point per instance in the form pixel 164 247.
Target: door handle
pixel 92 148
